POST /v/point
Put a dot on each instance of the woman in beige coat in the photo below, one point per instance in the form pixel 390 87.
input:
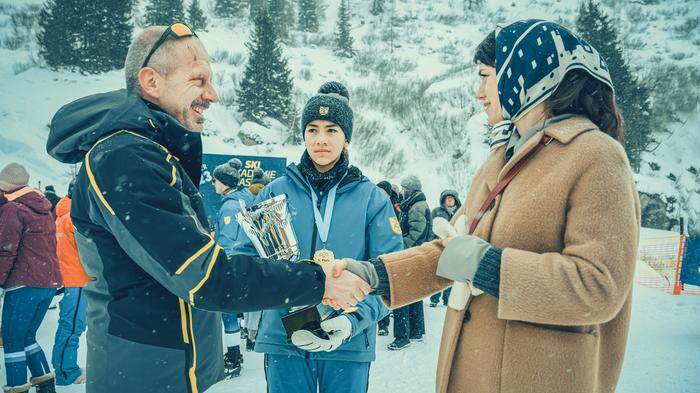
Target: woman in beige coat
pixel 555 251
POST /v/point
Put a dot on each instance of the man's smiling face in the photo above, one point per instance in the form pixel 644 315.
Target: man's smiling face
pixel 186 91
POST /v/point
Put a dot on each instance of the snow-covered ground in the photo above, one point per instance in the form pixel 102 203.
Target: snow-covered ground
pixel 663 352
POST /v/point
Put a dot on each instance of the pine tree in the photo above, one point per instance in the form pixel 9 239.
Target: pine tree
pixel 343 39
pixel 631 94
pixel 308 16
pixel 377 7
pixel 195 17
pixel 266 86
pixel 257 7
pixel 164 12
pixel 289 15
pixel 59 21
pixel 89 37
pixel 106 35
pixel 276 12
pixel 228 8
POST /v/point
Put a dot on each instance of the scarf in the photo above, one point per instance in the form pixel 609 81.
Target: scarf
pixel 532 58
pixel 322 182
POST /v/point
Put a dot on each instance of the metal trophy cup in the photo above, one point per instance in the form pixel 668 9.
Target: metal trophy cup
pixel 268 225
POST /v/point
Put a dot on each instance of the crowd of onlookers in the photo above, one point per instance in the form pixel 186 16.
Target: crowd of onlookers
pixel 38 261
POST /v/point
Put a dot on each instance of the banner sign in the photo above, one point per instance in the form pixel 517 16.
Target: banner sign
pixel 272 166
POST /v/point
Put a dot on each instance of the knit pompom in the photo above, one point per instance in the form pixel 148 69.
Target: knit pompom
pixel 334 87
pixel 235 163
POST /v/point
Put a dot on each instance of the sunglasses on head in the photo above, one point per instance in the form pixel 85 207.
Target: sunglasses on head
pixel 177 31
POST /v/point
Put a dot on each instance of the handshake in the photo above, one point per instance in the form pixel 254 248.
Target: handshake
pixel 348 282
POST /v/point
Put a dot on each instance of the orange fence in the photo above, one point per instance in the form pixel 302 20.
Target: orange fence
pixel 660 261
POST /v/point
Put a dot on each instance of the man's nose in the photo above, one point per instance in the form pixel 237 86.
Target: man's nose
pixel 210 94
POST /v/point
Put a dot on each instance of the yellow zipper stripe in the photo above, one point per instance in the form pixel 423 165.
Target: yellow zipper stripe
pixel 174 170
pixel 193 368
pixel 194 290
pixel 93 182
pixel 195 255
pixel 183 321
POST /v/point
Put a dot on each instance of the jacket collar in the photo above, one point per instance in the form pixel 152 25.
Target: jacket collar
pixel 562 132
pixel 352 178
pixel 21 192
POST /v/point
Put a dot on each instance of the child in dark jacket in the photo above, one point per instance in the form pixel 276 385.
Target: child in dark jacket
pixel 29 274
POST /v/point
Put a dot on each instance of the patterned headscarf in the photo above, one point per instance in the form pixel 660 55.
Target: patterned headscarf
pixel 532 57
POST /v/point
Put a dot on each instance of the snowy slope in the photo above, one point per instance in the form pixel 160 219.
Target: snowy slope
pixel 661 352
pixel 428 66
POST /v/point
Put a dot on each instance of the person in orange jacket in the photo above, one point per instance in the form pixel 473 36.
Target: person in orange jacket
pixel 72 317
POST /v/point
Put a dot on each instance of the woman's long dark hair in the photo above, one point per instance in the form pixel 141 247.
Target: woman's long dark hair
pixel 579 93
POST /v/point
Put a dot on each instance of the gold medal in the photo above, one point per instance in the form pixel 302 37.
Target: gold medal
pixel 323 256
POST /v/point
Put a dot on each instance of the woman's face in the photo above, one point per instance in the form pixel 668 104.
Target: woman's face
pixel 325 142
pixel 488 94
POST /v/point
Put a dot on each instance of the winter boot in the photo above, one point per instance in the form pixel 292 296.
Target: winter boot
pixel 383 331
pixel 17 389
pixel 249 344
pixel 45 383
pixel 232 362
pixel 399 344
pixel 417 338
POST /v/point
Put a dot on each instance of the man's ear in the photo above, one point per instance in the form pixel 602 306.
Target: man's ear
pixel 150 82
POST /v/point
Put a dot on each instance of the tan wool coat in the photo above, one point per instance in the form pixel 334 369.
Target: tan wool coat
pixel 568 225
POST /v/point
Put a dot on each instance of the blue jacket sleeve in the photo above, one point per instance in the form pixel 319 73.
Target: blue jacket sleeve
pixel 383 236
pixel 229 232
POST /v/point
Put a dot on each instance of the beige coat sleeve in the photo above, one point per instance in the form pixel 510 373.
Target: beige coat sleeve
pixel 589 281
pixel 412 274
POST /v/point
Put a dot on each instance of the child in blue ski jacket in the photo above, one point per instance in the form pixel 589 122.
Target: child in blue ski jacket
pixel 334 209
pixel 228 234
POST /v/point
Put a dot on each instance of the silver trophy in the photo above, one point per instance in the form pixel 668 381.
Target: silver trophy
pixel 268 225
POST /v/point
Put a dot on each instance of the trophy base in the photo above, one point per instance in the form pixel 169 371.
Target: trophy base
pixel 307 318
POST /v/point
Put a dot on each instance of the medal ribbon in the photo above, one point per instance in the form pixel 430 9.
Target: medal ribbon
pixel 324 223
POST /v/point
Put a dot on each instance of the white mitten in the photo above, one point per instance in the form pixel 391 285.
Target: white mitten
pixel 460 290
pixel 339 329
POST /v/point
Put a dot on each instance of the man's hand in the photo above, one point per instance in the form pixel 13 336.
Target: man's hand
pixel 343 288
pixel 363 269
pixel 339 329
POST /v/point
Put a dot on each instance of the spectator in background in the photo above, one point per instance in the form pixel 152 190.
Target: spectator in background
pixel 29 274
pixel 416 226
pixel 259 181
pixel 251 320
pixel 393 195
pixel 72 315
pixel 228 233
pixel 50 194
pixel 449 204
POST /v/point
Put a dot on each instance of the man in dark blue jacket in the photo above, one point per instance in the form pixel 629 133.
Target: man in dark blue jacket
pixel 161 280
pixel 417 228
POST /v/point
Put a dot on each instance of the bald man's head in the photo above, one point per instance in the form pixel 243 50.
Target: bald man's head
pixel 177 77
pixel 161 60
